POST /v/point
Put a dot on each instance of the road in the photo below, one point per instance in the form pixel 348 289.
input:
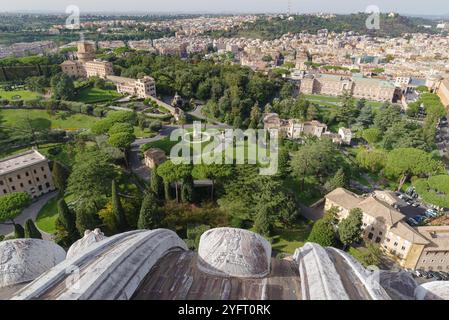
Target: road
pixel 29 213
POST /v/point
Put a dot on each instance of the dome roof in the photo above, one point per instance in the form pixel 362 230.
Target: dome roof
pixel 23 260
pixel 234 253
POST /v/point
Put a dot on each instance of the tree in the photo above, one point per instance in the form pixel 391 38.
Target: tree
pixel 372 160
pixel 150 215
pixel 194 235
pixel 386 117
pixel 337 181
pixel 122 141
pixel 366 116
pixel 322 233
pixel 31 231
pixel 262 223
pixel 11 205
pixel 68 220
pixel 371 135
pixel 156 184
pixel 117 209
pixel 63 87
pixel 187 189
pixel 121 127
pixel 214 172
pixel 60 175
pixel 331 215
pixel 173 173
pixel 87 215
pixel 405 162
pixel 19 231
pixel 350 229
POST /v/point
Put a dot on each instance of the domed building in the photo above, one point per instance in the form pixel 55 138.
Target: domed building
pixel 231 264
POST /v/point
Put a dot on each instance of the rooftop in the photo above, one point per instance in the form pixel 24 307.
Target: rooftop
pixel 21 160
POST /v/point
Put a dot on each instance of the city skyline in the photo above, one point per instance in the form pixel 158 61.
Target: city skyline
pixel 412 7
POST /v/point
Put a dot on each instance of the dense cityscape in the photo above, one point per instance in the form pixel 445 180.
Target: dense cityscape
pixel 97 116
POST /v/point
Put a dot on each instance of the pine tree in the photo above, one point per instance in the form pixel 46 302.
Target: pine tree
pixel 60 176
pixel 337 181
pixel 187 190
pixel 118 210
pixel 149 217
pixel 262 222
pixel 156 185
pixel 31 231
pixel 68 220
pixel 19 232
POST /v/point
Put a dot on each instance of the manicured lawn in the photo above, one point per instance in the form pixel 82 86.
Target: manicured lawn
pixel 41 118
pixel 19 95
pixel 287 240
pixel 93 95
pixel 46 218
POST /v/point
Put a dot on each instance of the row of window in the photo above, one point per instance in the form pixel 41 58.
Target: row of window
pixel 13 188
pixel 19 177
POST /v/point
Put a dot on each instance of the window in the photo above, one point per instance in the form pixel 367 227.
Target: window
pixel 34 171
pixel 27 174
pixel 10 179
pixel 21 185
pixel 42 168
pixel 37 179
pixel 45 176
pixel 395 244
pixel 403 248
pixel 47 185
pixel 378 240
pixel 4 191
pixel 388 240
pixel 380 233
pixel 13 188
pixel 372 228
pixel 1 183
pixel 40 188
pixel 370 236
pixel 19 177
pixel 29 182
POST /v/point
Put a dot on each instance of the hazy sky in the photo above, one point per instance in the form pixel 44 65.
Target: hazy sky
pixel 212 6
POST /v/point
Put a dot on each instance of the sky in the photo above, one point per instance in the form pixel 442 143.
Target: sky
pixel 427 7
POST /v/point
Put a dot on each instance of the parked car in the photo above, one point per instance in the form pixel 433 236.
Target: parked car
pixel 419 218
pixel 418 273
pixel 414 204
pixel 412 222
pixel 443 276
pixel 436 276
pixel 431 213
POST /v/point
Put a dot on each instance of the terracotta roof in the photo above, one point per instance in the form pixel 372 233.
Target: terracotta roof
pixel 437 236
pixel 344 198
pixel 381 210
pixel 408 233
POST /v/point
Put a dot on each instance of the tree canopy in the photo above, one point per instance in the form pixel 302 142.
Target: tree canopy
pixel 12 204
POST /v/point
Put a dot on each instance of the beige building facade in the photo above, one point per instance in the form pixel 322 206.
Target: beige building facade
pixel 154 157
pixel 359 87
pixel 26 172
pixel 386 226
pixel 142 88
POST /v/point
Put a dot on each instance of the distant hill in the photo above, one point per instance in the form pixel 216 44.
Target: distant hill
pixel 273 28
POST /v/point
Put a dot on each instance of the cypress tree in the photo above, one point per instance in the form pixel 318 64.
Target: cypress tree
pixel 156 185
pixel 262 222
pixel 67 219
pixel 149 217
pixel 187 190
pixel 31 231
pixel 19 232
pixel 118 210
pixel 60 176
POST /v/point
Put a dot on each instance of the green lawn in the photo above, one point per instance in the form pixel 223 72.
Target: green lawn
pixel 46 218
pixel 19 94
pixel 94 95
pixel 41 118
pixel 287 240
